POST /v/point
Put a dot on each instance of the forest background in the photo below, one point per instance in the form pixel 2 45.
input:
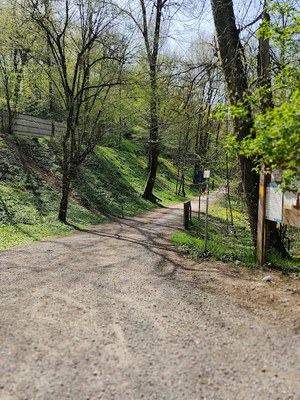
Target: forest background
pixel 203 85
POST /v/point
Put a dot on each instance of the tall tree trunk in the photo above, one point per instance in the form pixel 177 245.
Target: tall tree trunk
pixel 68 152
pixel 63 207
pixel 264 80
pixel 152 57
pixel 231 52
pixel 153 145
pixel 153 162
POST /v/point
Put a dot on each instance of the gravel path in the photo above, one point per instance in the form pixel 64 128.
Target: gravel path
pixel 115 313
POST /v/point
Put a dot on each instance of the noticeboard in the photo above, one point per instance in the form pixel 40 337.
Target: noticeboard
pixel 274 205
pixel 274 202
pixel 282 207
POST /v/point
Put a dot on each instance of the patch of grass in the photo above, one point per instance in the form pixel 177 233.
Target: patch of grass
pixel 27 216
pixel 222 243
pixel 230 243
pixel 287 266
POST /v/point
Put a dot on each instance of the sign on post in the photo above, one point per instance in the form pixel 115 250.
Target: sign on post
pixel 274 202
pixel 274 205
pixel 206 174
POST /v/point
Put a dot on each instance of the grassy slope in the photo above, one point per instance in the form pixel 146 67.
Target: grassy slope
pixel 110 183
pixel 116 181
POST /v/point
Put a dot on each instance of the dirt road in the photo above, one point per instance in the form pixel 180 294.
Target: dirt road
pixel 116 314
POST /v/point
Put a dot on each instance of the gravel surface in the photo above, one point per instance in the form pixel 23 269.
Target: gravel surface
pixel 116 313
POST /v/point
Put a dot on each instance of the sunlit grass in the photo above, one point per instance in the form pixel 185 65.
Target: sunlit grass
pixel 231 243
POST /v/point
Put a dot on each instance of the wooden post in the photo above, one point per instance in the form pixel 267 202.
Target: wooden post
pixel 261 223
pixel 199 205
pixel 187 209
pixel 206 216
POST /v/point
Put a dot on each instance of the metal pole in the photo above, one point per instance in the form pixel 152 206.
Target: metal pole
pixel 206 217
pixel 200 191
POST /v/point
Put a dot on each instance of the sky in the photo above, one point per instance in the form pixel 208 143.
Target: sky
pixel 193 20
pixel 189 25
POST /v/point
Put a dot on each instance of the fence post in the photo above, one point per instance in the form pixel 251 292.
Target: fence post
pixel 187 212
pixel 206 217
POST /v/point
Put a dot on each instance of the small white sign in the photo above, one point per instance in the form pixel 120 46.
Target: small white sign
pixel 206 174
pixel 274 200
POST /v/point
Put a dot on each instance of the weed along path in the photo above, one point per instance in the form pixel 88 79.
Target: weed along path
pixel 115 313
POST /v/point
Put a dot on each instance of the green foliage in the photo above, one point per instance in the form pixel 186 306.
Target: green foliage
pixel 111 182
pixel 284 23
pixel 232 145
pixel 275 138
pixel 288 267
pixel 277 141
pixel 27 216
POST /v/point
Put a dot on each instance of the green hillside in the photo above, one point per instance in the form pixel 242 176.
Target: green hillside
pixel 110 184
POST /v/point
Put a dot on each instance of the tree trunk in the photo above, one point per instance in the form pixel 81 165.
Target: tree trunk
pixel 153 162
pixel 68 151
pixel 274 239
pixel 152 57
pixel 153 136
pixel 63 207
pixel 231 52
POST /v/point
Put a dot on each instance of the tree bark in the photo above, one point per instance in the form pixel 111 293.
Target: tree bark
pixel 153 162
pixel 153 137
pixel 67 168
pixel 152 57
pixel 63 207
pixel 231 52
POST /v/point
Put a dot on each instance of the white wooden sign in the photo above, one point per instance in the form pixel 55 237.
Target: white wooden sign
pixel 206 174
